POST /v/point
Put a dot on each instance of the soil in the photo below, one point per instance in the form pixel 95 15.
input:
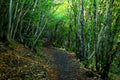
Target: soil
pixel 65 66
pixel 19 63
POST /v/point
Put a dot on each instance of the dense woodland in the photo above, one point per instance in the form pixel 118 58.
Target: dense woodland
pixel 90 28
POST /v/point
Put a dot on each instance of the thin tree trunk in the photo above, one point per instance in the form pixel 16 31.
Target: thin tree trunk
pixel 15 13
pixel 35 42
pixel 10 20
pixel 18 20
pixel 83 31
pixel 95 36
pixel 109 43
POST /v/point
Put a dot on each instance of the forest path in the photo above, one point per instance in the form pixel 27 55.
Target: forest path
pixel 64 66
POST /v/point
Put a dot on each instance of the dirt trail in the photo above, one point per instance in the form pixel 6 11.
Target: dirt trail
pixel 64 66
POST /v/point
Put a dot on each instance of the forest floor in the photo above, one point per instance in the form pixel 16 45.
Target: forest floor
pixel 64 66
pixel 19 63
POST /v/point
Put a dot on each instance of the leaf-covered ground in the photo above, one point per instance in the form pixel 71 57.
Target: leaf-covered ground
pixel 18 63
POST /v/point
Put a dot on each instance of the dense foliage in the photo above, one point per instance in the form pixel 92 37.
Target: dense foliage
pixel 23 20
pixel 88 27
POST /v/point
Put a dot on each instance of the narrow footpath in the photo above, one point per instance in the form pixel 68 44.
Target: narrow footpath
pixel 64 66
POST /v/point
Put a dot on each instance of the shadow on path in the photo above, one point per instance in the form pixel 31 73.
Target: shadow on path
pixel 65 66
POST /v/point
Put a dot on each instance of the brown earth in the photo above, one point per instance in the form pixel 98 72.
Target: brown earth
pixel 18 63
pixel 64 66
